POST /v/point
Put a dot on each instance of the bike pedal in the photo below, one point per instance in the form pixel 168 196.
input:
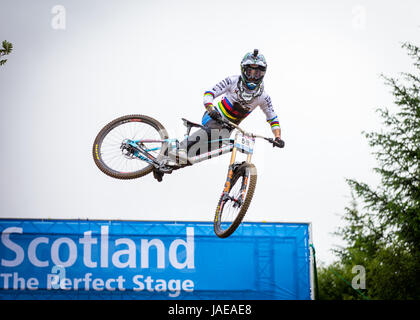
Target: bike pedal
pixel 158 175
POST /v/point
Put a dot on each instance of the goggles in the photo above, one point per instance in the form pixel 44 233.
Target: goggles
pixel 254 72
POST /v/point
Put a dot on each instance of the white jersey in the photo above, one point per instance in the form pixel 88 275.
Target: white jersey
pixel 238 102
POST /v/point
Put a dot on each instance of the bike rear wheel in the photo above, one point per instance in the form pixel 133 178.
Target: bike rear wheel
pixel 230 211
pixel 116 162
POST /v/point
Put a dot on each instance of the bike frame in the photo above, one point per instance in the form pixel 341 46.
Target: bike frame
pixel 239 143
pixel 163 163
pixel 243 142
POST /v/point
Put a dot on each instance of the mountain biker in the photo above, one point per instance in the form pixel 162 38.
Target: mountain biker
pixel 242 94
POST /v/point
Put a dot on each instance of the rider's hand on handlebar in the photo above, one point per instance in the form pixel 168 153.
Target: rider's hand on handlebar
pixel 215 115
pixel 218 117
pixel 278 143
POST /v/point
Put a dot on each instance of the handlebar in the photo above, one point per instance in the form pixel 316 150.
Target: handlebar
pixel 230 124
pixel 275 143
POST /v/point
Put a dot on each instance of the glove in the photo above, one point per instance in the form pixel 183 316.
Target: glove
pixel 278 143
pixel 215 115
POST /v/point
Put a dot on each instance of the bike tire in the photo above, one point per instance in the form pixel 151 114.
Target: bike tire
pixel 97 155
pixel 245 169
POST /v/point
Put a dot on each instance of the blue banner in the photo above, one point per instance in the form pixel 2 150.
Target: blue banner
pixel 83 259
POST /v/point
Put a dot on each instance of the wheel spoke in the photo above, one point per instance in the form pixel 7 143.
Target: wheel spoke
pixel 229 213
pixel 112 155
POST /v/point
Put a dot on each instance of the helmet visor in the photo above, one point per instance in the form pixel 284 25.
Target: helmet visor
pixel 254 72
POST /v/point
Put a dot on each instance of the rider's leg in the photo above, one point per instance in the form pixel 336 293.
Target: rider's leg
pixel 198 142
pixel 217 134
pixel 199 136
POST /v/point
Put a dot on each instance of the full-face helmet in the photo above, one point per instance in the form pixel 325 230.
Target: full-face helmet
pixel 253 67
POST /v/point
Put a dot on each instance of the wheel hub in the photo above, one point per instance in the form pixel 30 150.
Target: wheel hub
pixel 128 151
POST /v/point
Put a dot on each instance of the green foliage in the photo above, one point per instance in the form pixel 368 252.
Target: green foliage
pixel 384 235
pixel 7 49
pixel 333 283
pixel 391 274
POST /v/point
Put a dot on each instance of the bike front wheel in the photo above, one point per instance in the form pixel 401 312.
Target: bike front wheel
pixel 235 200
pixel 115 161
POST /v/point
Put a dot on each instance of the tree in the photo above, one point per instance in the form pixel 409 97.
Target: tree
pixel 7 49
pixel 384 235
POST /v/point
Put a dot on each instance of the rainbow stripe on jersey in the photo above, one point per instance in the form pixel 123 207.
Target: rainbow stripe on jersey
pixel 209 93
pixel 234 115
pixel 274 123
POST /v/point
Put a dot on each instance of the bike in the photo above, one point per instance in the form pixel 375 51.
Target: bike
pixel 133 146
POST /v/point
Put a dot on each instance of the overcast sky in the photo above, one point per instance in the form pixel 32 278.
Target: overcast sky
pixel 77 66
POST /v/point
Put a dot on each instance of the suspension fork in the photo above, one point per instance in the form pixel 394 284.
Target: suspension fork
pixel 231 168
pixel 230 171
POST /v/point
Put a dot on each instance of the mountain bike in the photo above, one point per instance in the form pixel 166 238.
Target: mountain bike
pixel 133 146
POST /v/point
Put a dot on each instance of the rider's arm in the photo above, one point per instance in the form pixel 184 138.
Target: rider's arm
pixel 275 126
pixel 271 115
pixel 277 133
pixel 216 91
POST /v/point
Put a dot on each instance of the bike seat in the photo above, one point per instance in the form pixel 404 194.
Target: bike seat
pixel 188 123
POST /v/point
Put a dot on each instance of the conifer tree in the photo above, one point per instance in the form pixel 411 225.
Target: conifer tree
pixel 382 230
pixel 7 48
